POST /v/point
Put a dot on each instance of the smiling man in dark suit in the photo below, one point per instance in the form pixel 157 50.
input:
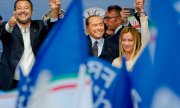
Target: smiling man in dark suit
pixel 21 39
pixel 98 46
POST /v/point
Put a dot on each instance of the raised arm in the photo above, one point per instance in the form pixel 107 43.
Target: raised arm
pixel 55 7
pixel 145 33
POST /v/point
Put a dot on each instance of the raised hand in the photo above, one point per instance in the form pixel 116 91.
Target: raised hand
pixel 124 14
pixel 54 4
pixel 55 8
pixel 12 21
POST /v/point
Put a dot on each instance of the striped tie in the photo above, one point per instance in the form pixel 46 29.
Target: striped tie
pixel 95 48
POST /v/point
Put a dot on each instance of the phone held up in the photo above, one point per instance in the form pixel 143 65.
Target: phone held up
pixel 131 11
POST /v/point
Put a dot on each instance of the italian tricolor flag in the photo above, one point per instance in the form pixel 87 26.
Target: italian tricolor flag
pixel 69 91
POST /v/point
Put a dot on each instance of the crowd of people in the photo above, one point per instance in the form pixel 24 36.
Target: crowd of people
pixel 110 38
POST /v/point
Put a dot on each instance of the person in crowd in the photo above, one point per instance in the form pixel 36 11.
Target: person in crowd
pixel 138 5
pixel 98 46
pixel 113 22
pixel 132 43
pixel 21 38
pixel 133 20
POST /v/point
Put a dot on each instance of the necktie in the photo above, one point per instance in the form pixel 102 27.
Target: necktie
pixel 95 48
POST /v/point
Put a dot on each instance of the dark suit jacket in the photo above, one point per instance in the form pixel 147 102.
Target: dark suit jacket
pixel 109 51
pixel 1 49
pixel 13 48
pixel 115 37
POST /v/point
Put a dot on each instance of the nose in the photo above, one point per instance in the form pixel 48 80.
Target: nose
pixel 125 43
pixel 22 10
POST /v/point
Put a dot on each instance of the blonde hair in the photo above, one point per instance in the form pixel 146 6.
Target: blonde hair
pixel 137 41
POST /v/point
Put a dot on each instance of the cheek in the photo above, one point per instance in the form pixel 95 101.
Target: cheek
pixel 93 30
pixel 16 12
pixel 131 43
pixel 102 29
pixel 123 43
pixel 90 29
pixel 30 12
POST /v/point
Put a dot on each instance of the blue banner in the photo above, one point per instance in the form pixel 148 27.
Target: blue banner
pixel 157 84
pixel 111 86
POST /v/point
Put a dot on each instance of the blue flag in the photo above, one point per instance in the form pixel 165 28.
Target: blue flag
pixel 140 79
pixel 167 60
pixel 111 87
pixel 61 54
pixel 158 84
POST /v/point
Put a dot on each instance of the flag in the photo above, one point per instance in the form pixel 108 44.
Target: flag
pixel 158 84
pixel 70 91
pixel 8 99
pixel 59 72
pixel 140 78
pixel 166 93
pixel 111 87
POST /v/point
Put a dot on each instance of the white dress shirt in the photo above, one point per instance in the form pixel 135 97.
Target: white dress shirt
pixel 28 58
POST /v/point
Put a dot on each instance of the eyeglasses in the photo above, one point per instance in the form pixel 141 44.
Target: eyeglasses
pixel 108 17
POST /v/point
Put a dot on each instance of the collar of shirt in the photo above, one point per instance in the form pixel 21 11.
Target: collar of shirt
pixel 117 29
pixel 100 44
pixel 24 30
pixel 100 41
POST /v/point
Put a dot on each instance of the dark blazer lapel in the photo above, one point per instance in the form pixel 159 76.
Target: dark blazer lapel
pixel 103 50
pixel 89 45
pixel 106 51
pixel 18 33
pixel 33 33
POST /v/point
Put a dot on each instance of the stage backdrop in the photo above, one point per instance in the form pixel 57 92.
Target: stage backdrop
pixel 42 6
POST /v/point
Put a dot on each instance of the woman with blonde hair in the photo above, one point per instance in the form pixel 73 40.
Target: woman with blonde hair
pixel 132 43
